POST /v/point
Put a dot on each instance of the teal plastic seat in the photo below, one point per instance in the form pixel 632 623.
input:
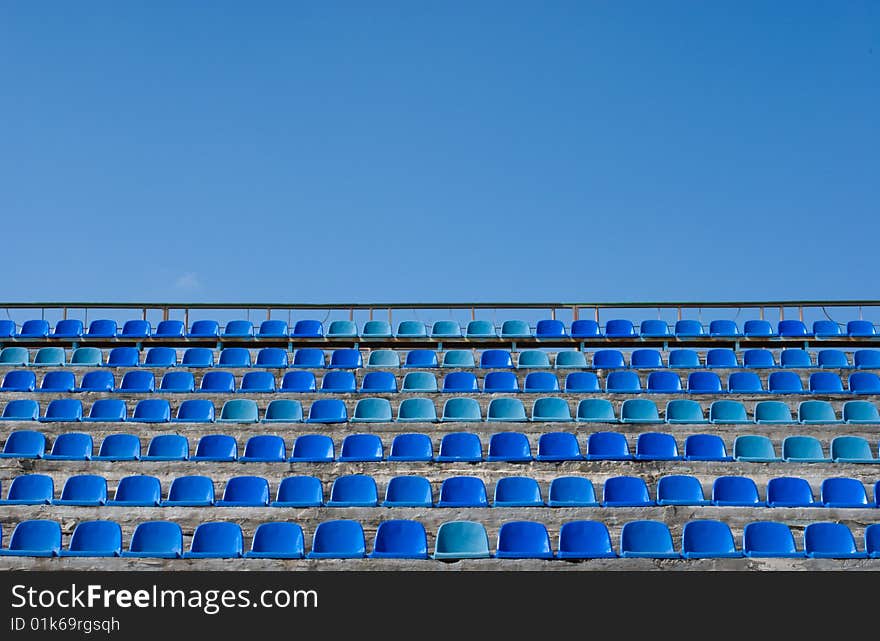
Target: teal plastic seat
pixel 445 329
pixel 773 412
pixel 383 358
pixel 417 410
pixel 458 358
pixel 639 410
pixel 50 357
pixel 419 382
pixel 480 329
pixel 505 409
pixel 684 411
pixel 515 329
pixel 531 358
pixel 461 540
pixel 14 356
pixel 372 410
pixel 570 359
pixel 730 412
pixel 860 412
pixel 816 412
pixel 376 329
pixel 596 410
pixel 851 449
pixel 86 357
pixel 239 410
pixel 411 329
pixel 284 411
pixel 463 409
pixel 342 329
pixel 803 449
pixel 551 408
pixel 754 448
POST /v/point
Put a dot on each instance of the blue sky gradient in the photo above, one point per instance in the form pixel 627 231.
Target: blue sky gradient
pixel 396 151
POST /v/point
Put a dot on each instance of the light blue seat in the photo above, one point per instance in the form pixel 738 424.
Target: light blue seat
pixel 277 541
pixel 411 447
pixel 169 329
pixel 620 328
pixel 582 383
pixel 664 383
pixel 708 539
pixel 461 409
pixel 512 447
pixel 400 539
pixel 11 356
pixel 825 383
pixel 136 328
pixel 462 447
pixel 585 540
pixel 283 411
pixel 383 358
pixel 533 358
pixel 35 328
pixel 607 446
pixel 495 359
pixel 626 491
pixel 342 329
pixel 216 447
pixel 860 328
pixel 30 489
pixel 408 491
pixel 500 383
pixel 744 383
pixel 36 537
pixel 339 382
pixel 461 540
pixel 308 357
pixel 272 328
pixel 517 491
pixel 137 382
pixel 445 329
pixel 647 539
pixel 458 358
pixel 608 359
pixel 758 329
pixel 102 328
pixel 790 491
pixel 84 490
pixel 864 383
pixel 156 539
pixel 656 446
pixel 97 381
pixel 832 358
pixel 772 412
pixel 418 410
pixel 234 357
pixel 851 449
pixel 653 328
pixel 704 383
pixel 830 541
pixel 558 446
pixel 19 381
pixel 421 358
pixel 376 329
pixel 523 540
pixel 623 383
pixel 361 447
pixel 735 491
pixel 803 449
pixel 687 328
pixel 339 539
pixel 49 357
pixel 346 359
pixel 264 448
pixel 769 539
pixel 860 412
pixel 812 412
pixel 119 447
pixel 729 412
pixel 862 358
pixel 123 357
pixel 684 411
pixel 167 447
pixel 480 329
pixel 257 383
pixel 197 357
pixel 411 329
pixel 795 358
pixel 238 329
pixel 216 540
pixel 86 357
pixel 353 490
pixel 639 410
pixel 312 448
pixel 506 409
pixel 463 491
pixel 299 491
pixel 204 329
pixel 193 411
pixel 460 383
pixel 755 448
pixel 245 491
pixel 721 358
pixel 59 381
pixel 792 328
pixel 515 329
pixel 571 491
pixel 680 489
pixel 645 359
pixel 23 409
pixel 684 359
pixel 138 491
pixel 327 411
pixel 299 381
pixel 182 382
pixel 379 382
pixel 549 328
pixel 71 446
pixel 570 359
pixel 63 410
pixel 160 357
pixel 585 329
pixel 758 359
pixel 372 410
pixel 419 382
pixel 595 410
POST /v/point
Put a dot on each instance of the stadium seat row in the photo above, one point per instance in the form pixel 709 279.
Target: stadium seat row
pixel 548 328
pixel 349 358
pixel 359 490
pixel 455 447
pixel 344 539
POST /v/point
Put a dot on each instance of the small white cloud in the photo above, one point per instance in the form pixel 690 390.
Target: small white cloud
pixel 189 280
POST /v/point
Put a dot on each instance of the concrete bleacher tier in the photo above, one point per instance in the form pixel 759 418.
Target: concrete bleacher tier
pixel 498 414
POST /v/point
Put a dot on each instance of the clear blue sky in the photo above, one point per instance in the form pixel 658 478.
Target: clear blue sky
pixel 357 151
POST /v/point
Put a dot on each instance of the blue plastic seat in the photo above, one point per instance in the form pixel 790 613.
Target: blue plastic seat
pixel 87 357
pixel 307 328
pixel 383 358
pixel 729 412
pixel 283 411
pixel 532 359
pixel 790 491
pixel 704 383
pixel 843 492
pixel 461 409
pixel 160 357
pixel 687 328
pixel 620 328
pixel 411 447
pixel 826 329
pixel 400 539
pixel 792 329
pixel 417 410
pixel 607 446
pixel 459 383
pixel 758 328
pixel 376 329
pixel 480 329
pixel 653 328
pixel 506 409
pixel 119 447
pixel 102 328
pixel 500 383
pixel 273 328
pixel 216 540
pixel 646 359
pixel 647 539
pixel 872 541
pixel 197 357
pixel 14 356
pixel 60 381
pixel 361 447
pixel 138 491
pixel 664 383
pixel 35 328
pixel 301 382
pixel 721 358
pixel 758 359
pixel 7 328
pixel 50 357
pixel 584 540
pixel 167 447
pixel 866 359
pixel 204 329
pixel 299 491
pixel 769 539
pixel 30 489
pixel 379 382
pixel 123 357
pixel 445 329
pixel 177 382
pixel 460 447
pixel 421 358
pixel 463 491
pixel 372 410
pixel 772 412
pixel 345 359
pixel 570 359
pixel 625 491
pixel 558 446
pixel 63 410
pixel 68 328
pixel 680 489
pixel 22 409
pixel 608 359
pixel 83 490
pixel 545 409
pixel 238 329
pixel 735 491
pixel 170 329
pixel 313 448
pixel 851 449
pixel 234 357
pixel 495 359
pixel 41 538
pixel 327 411
pixel 832 358
pixel 195 411
pixel 308 357
pixel 708 539
pixel 582 383
pixel 684 359
pixel 744 383
pixel 419 382
pixel 656 446
pixel 595 410
pixel 825 383
pixel 136 328
pixel 523 540
pixel 509 446
pixel 342 329
pixel 354 490
pixel 550 328
pixel 97 381
pixel 517 491
pixel 408 491
pixel 277 541
pixel 19 381
pixel 638 410
pixel 245 491
pixel 156 539
pixel 864 383
pixel 216 447
pixel 585 329
pixel 571 491
pixel 623 383
pixel 137 381
pixel 257 383
pixel 860 328
pixel 795 358
pixel 338 382
pixel 71 446
pixel 813 412
pixel 264 448
pixel 755 448
pixel 340 539
pixel 830 541
pixel 411 329
pixel 190 491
